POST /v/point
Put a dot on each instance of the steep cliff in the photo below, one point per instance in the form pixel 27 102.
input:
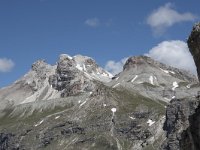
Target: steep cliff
pixel 183 116
pixel 194 120
pixel 181 125
pixel 194 46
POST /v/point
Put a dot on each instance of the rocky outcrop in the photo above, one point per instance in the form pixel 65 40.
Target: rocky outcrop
pixel 65 72
pixel 40 71
pixel 68 79
pixel 194 46
pixel 183 116
pixel 179 115
pixel 191 136
pixel 6 142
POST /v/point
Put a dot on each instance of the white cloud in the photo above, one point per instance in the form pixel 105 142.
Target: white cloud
pixel 115 67
pixel 165 16
pixel 6 65
pixel 174 53
pixel 93 22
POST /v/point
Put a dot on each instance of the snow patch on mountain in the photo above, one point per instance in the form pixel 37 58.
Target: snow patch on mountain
pixel 78 66
pixel 151 80
pixel 175 85
pixel 167 71
pixel 116 78
pixel 82 103
pixel 39 123
pixel 89 66
pixel 150 122
pixel 188 86
pixel 57 117
pixel 132 118
pixel 66 55
pixel 134 78
pixel 113 110
pixel 116 85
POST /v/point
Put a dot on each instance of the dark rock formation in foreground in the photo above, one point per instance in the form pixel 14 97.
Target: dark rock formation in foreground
pixel 181 125
pixel 183 116
pixel 194 46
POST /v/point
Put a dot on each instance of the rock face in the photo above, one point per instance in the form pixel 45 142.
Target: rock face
pixel 181 134
pixel 68 79
pixel 183 116
pixel 194 128
pixel 194 46
pixel 7 142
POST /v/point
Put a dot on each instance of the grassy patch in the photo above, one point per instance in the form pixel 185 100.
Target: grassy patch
pixel 105 143
pixel 149 147
pixel 147 85
pixel 8 120
pixel 128 101
pixel 183 84
pixel 195 85
pixel 162 84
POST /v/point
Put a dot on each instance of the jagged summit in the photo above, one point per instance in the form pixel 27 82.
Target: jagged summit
pixel 65 56
pixel 70 76
pixel 88 66
pixel 196 27
pixel 40 70
pixel 66 62
pixel 80 58
pixel 137 61
pixel 39 65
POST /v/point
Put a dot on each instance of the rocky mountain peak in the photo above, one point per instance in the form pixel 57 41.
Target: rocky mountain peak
pixel 85 63
pixel 89 66
pixel 39 65
pixel 65 63
pixel 145 64
pixel 82 59
pixel 65 57
pixel 137 61
pixel 76 74
pixel 196 27
pixel 39 72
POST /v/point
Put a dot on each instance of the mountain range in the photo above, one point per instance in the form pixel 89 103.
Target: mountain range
pixel 77 105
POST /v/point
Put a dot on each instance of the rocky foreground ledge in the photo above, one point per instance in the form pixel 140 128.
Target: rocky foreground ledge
pixel 182 124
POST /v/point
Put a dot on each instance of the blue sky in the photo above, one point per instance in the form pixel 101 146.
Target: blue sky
pixel 106 30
